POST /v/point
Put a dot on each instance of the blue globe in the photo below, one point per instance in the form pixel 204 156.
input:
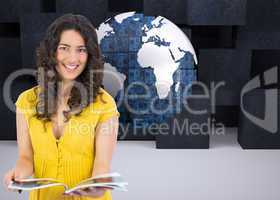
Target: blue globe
pixel 149 64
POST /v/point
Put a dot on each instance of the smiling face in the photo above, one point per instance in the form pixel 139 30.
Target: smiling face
pixel 71 55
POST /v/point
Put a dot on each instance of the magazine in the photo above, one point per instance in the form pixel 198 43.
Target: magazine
pixel 108 181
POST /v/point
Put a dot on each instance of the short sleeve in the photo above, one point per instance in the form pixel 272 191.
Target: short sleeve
pixel 25 103
pixel 109 109
pixel 21 101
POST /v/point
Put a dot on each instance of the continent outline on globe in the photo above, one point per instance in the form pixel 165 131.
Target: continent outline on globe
pixel 149 50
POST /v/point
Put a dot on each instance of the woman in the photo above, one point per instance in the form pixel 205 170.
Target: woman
pixel 67 125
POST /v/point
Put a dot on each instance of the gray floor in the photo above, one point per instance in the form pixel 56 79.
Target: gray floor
pixel 224 172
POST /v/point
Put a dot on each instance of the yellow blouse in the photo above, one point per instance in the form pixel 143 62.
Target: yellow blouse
pixel 70 158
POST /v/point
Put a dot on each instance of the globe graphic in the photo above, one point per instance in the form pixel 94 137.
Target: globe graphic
pixel 149 65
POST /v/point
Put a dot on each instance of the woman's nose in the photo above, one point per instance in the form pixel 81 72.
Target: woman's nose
pixel 73 56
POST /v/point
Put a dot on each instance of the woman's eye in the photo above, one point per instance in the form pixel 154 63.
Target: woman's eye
pixel 62 48
pixel 82 50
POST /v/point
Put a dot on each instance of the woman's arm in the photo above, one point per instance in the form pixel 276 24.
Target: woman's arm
pixel 25 150
pixel 24 163
pixel 106 134
pixel 105 142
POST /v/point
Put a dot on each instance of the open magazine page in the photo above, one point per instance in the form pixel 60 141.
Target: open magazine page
pixel 105 186
pixel 108 181
pixel 115 174
pixel 35 183
pixel 103 179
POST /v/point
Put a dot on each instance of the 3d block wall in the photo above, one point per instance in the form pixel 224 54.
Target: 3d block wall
pixel 234 40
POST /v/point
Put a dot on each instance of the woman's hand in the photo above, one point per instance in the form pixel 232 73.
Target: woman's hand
pixel 22 170
pixel 93 192
pixel 8 177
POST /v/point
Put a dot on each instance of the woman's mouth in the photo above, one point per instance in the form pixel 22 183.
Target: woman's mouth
pixel 71 67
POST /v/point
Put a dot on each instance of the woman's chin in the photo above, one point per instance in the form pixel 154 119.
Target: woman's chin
pixel 68 78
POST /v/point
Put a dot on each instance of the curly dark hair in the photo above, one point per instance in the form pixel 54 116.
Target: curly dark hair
pixel 48 77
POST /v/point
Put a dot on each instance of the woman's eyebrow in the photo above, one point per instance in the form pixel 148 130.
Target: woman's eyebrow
pixel 70 46
pixel 64 44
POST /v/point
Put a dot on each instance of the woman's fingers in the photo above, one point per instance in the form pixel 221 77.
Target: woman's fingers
pixel 74 193
pixel 93 192
pixel 88 192
pixel 9 176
